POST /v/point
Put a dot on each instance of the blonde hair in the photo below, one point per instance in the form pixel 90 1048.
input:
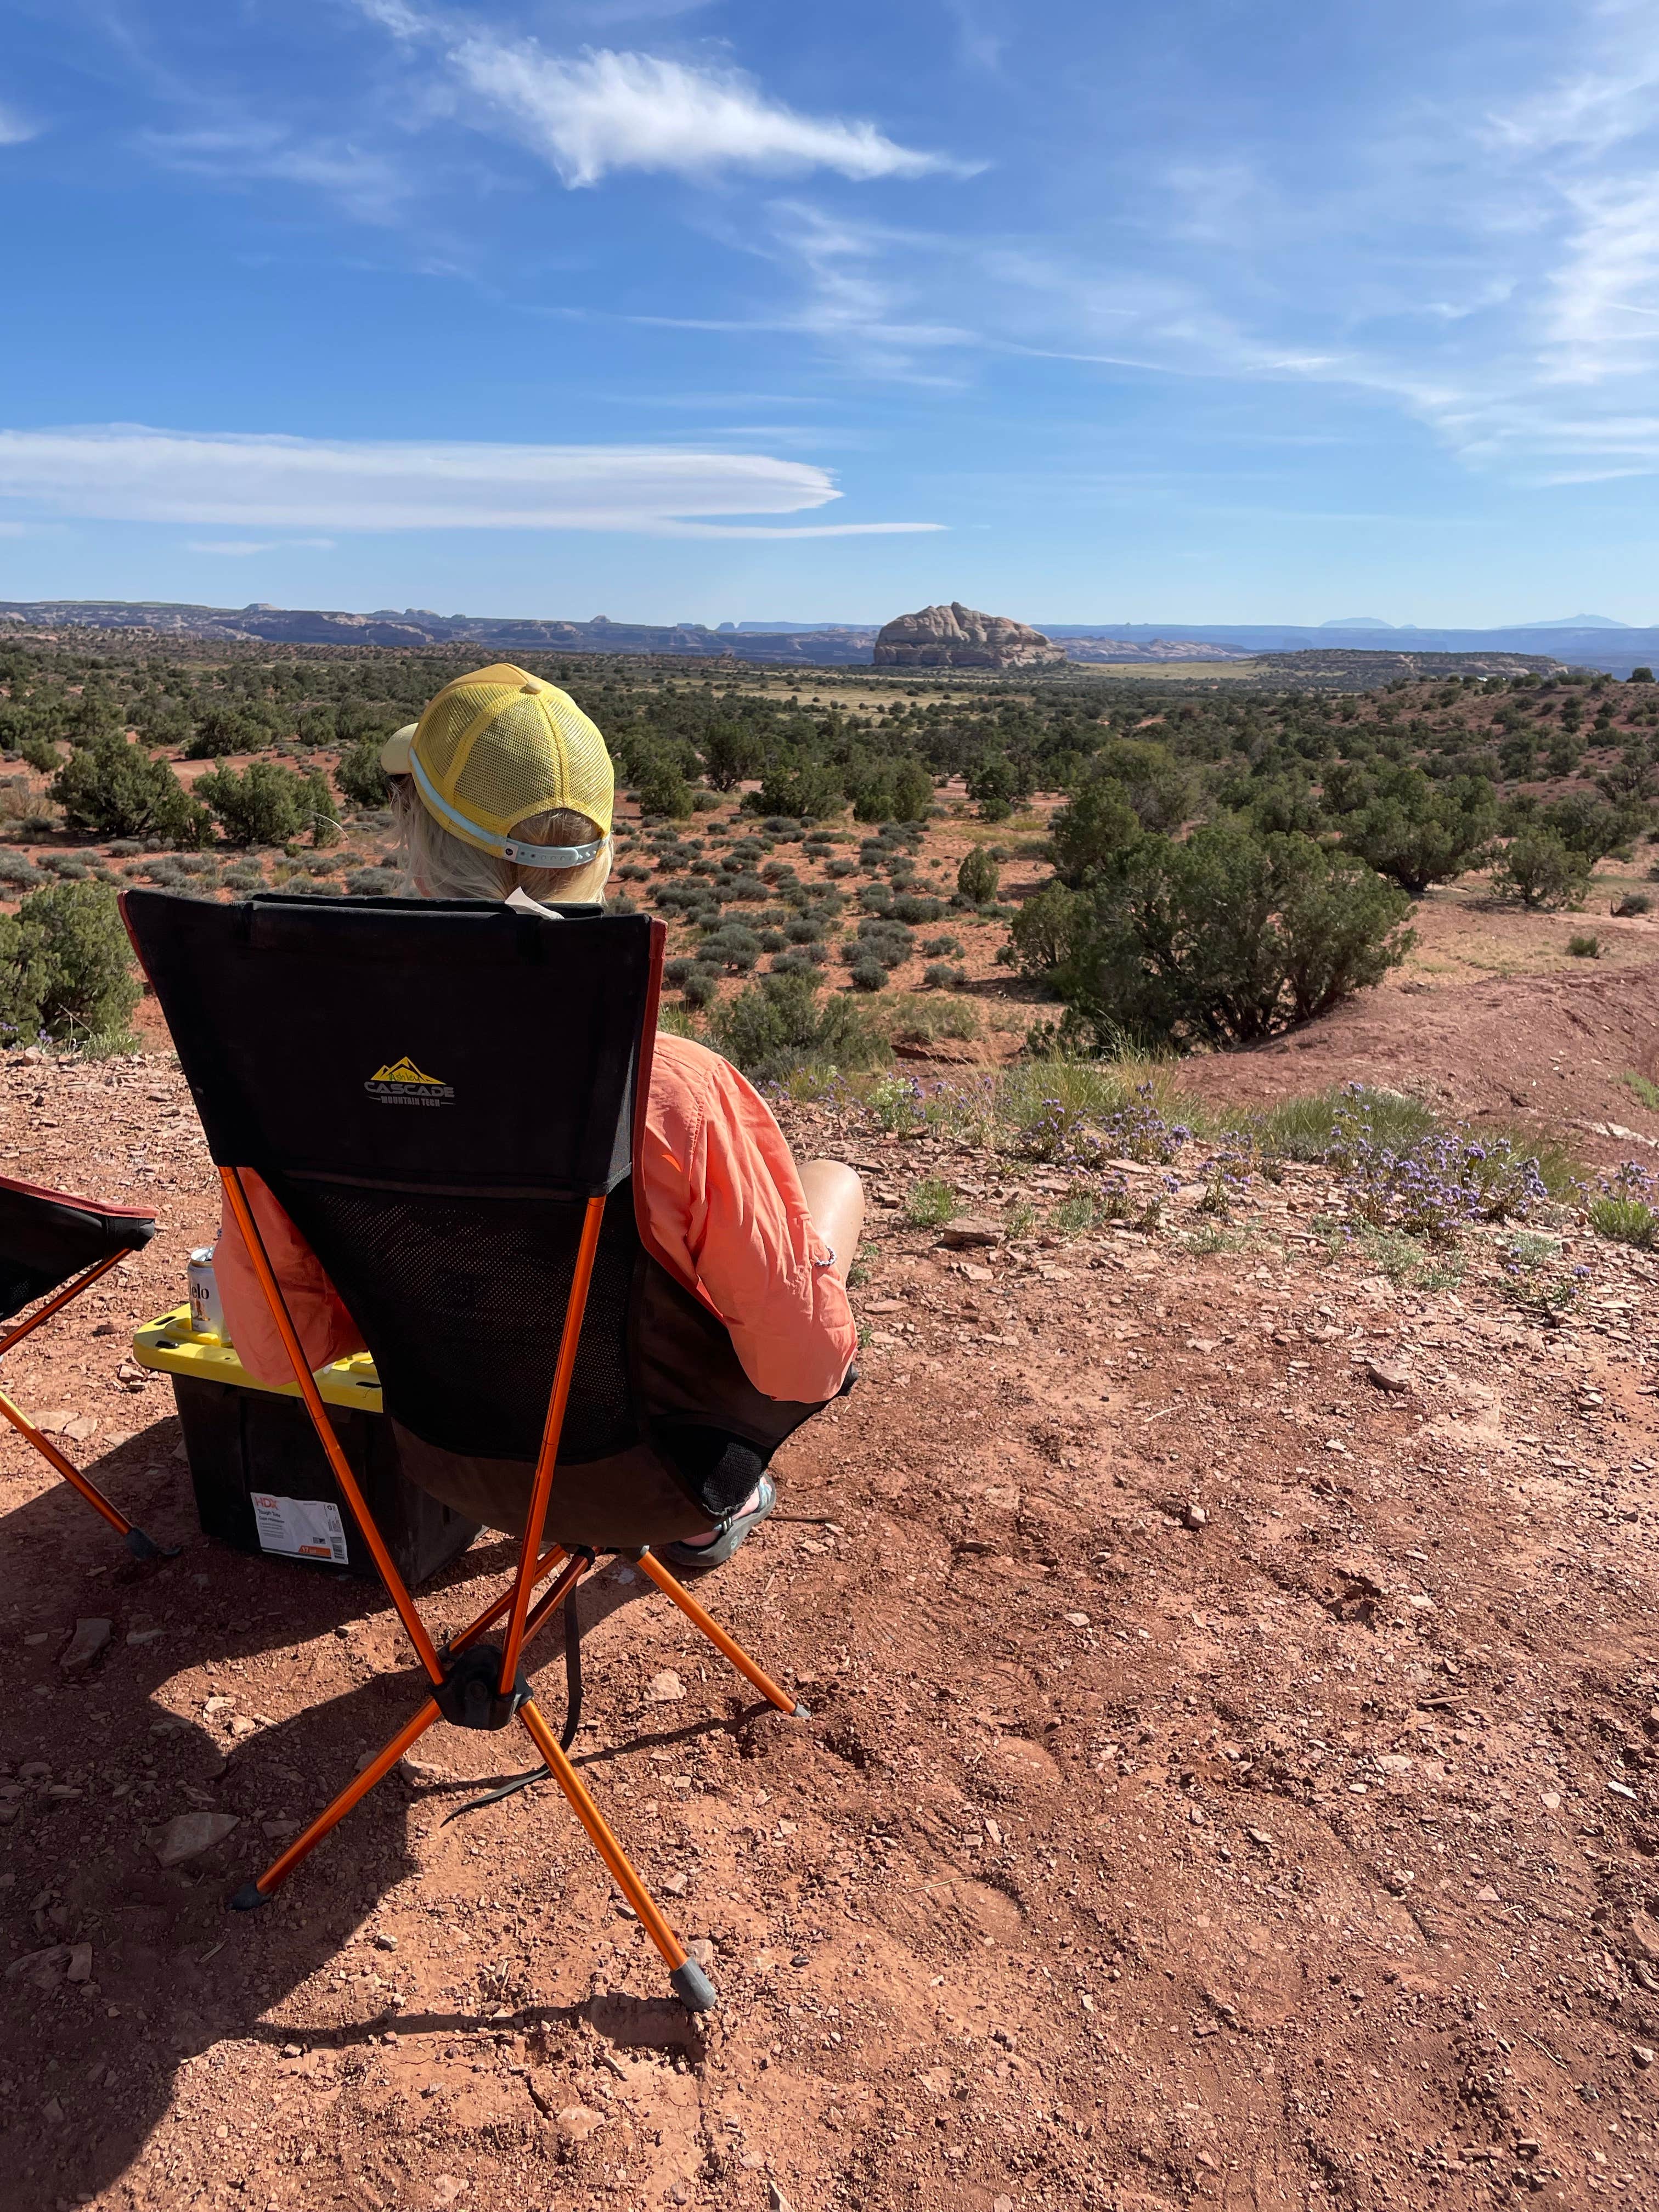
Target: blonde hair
pixel 438 865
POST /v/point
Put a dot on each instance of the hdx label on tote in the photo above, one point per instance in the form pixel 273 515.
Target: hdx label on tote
pixel 300 1528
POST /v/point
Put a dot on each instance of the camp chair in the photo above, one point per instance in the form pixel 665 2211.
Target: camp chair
pixel 447 1099
pixel 46 1237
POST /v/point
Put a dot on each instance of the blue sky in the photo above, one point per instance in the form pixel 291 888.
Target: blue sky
pixel 663 310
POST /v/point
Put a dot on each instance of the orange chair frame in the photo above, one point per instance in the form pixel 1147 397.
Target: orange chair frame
pixel 511 1697
pixel 141 1545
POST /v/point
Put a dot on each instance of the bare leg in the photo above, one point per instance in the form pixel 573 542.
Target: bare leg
pixel 834 1198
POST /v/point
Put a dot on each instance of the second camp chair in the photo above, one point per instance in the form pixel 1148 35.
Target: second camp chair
pixel 51 1241
pixel 447 1100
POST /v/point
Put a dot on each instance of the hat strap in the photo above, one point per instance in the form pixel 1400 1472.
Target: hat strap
pixel 505 848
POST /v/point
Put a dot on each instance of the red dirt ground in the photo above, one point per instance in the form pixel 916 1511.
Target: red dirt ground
pixel 1300 1850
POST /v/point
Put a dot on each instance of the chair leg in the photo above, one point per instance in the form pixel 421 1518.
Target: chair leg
pixel 727 1645
pixel 141 1545
pixel 255 1893
pixel 688 1980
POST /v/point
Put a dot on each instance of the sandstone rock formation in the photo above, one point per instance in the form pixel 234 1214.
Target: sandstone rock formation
pixel 958 637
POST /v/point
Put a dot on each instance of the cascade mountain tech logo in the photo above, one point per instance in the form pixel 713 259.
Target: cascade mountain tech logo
pixel 400 1083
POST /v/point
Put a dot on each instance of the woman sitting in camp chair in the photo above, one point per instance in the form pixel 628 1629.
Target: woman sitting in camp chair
pixel 505 787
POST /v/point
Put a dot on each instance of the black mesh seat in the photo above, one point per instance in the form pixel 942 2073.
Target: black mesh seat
pixel 447 1100
pixel 50 1239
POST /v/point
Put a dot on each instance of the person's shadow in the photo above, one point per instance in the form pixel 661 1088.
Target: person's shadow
pixel 114 1971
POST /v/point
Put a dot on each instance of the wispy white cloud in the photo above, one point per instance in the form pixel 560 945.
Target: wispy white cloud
pixel 126 473
pixel 592 113
pixel 368 181
pixel 236 548
pixel 16 129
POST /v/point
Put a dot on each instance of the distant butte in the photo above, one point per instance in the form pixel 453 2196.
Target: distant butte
pixel 959 637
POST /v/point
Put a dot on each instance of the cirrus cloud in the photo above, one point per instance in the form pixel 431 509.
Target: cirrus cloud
pixel 125 473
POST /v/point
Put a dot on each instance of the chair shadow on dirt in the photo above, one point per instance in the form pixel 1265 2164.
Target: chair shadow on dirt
pixel 87 2064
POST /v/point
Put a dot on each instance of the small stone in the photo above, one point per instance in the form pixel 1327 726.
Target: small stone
pixel 968 1234
pixel 665 1689
pixel 80 1963
pixel 189 1834
pixel 1336 1444
pixel 88 1640
pixel 211 1705
pixel 777 2202
pixel 1392 1379
pixel 1077 1620
pixel 52 2110
pixel 144 1635
pixel 1643 2054
pixel 1002 2204
pixel 242 1726
pixel 575 2122
pixel 1194 1517
pixel 1550 1800
pixel 702 1951
pixel 675 1884
pixel 384 1942
pixel 446 2188
pixel 1421 1603
pixel 291 2051
pixel 1261 1838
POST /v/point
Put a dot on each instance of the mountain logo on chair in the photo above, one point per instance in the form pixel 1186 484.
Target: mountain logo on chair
pixel 400 1083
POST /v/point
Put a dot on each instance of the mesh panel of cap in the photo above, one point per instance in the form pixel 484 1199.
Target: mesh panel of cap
pixel 499 746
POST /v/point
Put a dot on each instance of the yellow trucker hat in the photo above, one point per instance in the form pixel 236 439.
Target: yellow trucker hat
pixel 498 746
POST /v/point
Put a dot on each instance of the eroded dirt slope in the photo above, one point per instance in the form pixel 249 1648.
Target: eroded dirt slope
pixel 1230 1779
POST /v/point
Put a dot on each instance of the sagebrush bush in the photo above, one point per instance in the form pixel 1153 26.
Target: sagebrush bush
pixel 773 1028
pixel 1624 1221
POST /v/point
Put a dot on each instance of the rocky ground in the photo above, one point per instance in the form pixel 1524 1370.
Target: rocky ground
pixel 1231 1778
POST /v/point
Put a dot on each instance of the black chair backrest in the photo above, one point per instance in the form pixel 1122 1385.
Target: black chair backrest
pixel 46 1237
pixel 433 1092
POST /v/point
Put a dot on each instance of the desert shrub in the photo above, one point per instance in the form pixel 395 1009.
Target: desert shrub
pixel 1420 832
pixel 68 867
pixel 931 1203
pixel 66 968
pixel 797 789
pixel 1587 827
pixel 1094 831
pixel 702 987
pixel 942 948
pixel 1624 1221
pixel 322 811
pixel 879 939
pixel 114 788
pixel 317 727
pixel 913 907
pixel 662 790
pixel 839 869
pixel 866 973
pixel 263 805
pixel 773 1028
pixel 940 976
pixel 978 877
pixel 731 947
pixel 17 872
pixel 363 883
pixel 221 730
pixel 1584 948
pixel 993 784
pixel 361 776
pixel 42 754
pixel 1539 869
pixel 1631 904
pixel 1222 938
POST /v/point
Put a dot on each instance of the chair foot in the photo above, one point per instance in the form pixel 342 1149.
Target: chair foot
pixel 249 1897
pixel 145 1547
pixel 692 1987
pixel 800 1713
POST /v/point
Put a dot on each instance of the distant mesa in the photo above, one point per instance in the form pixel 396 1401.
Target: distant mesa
pixel 956 636
pixel 1356 621
pixel 1576 621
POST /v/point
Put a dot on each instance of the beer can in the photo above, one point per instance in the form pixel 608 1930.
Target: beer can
pixel 207 1316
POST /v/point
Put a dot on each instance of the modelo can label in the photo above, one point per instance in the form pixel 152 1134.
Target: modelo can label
pixel 207 1315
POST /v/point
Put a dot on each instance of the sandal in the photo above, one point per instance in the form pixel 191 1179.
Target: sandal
pixel 736 1531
